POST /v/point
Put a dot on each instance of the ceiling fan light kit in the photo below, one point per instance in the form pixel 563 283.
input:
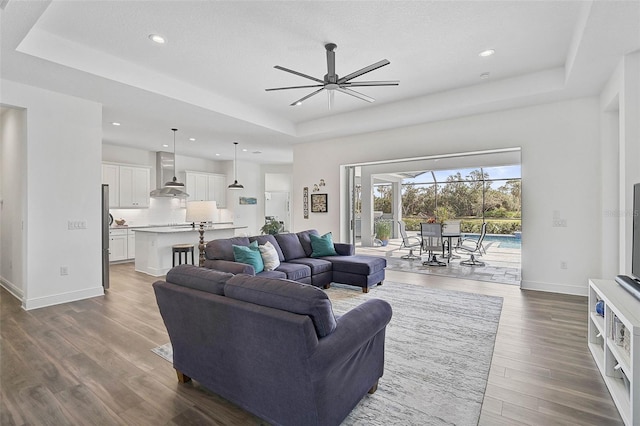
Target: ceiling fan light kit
pixel 333 83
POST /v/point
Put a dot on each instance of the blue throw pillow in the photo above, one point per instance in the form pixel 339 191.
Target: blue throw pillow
pixel 322 246
pixel 249 255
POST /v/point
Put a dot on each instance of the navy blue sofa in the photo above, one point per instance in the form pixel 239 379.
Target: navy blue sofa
pixel 296 264
pixel 272 346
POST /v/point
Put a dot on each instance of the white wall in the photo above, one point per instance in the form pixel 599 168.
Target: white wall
pixel 249 215
pixel 13 186
pixel 560 176
pixel 620 152
pixel 277 194
pixel 63 178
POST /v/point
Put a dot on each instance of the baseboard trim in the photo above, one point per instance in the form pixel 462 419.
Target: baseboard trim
pixel 56 299
pixel 12 288
pixel 556 288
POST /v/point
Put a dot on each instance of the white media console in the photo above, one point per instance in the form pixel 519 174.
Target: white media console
pixel 614 341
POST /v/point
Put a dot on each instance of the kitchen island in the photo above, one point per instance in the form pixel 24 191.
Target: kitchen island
pixel 153 245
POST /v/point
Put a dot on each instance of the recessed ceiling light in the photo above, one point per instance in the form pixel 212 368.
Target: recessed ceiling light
pixel 192 139
pixel 115 123
pixel 486 53
pixel 484 75
pixel 217 155
pixel 164 145
pixel 157 38
pixel 244 149
pixel 298 103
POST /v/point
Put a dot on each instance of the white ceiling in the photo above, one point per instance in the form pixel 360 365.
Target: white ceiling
pixel 208 80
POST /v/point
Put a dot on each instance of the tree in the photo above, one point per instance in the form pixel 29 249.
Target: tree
pixel 382 196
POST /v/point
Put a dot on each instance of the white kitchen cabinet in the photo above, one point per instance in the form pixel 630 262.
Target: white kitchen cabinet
pixel 129 186
pixel 122 244
pixel 206 187
pixel 131 244
pixel 111 176
pixel 134 187
pixel 117 245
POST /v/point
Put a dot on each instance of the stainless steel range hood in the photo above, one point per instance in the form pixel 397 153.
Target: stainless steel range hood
pixel 165 167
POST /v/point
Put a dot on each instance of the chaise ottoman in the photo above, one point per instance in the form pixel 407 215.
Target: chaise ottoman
pixel 358 270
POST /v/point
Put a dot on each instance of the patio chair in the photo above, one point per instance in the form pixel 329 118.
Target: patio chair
pixel 473 247
pixel 431 241
pixel 409 243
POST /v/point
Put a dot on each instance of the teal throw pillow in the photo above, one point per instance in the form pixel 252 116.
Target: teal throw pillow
pixel 322 246
pixel 249 255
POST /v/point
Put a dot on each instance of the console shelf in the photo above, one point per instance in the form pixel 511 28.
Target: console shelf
pixel 616 352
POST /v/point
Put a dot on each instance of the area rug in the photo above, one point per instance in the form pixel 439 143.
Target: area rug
pixel 438 351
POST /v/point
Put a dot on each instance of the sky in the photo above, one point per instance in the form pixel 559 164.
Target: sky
pixel 502 172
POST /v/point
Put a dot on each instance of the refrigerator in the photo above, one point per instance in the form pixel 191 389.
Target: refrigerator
pixel 106 222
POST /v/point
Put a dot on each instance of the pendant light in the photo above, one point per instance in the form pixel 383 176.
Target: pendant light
pixel 235 184
pixel 174 182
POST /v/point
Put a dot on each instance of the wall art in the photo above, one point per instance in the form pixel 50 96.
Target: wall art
pixel 248 200
pixel 305 202
pixel 319 203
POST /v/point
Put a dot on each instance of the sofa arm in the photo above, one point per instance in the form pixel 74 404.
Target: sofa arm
pixel 353 330
pixel 229 266
pixel 344 249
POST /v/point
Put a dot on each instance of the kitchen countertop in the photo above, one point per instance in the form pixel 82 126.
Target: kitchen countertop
pixel 169 225
pixel 188 228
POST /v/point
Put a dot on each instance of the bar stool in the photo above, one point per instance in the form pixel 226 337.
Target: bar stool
pixel 182 248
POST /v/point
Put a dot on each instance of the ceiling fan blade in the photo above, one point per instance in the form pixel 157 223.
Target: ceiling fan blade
pixel 364 70
pixel 370 83
pixel 295 87
pixel 278 67
pixel 356 94
pixel 299 101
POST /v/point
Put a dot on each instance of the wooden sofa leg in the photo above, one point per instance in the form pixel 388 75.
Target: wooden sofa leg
pixel 327 286
pixel 374 387
pixel 380 283
pixel 182 378
pixel 365 289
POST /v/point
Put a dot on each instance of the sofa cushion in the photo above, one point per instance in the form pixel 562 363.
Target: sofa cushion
pixel 272 274
pixel 262 239
pixel 285 295
pixel 305 240
pixel 269 256
pixel 322 246
pixel 203 279
pixel 249 255
pixel 290 246
pixel 295 272
pixel 317 266
pixel 223 249
pixel 358 264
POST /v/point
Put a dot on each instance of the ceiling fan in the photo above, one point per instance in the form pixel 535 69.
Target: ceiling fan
pixel 333 83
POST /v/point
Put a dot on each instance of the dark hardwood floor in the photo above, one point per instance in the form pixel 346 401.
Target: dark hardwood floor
pixel 89 362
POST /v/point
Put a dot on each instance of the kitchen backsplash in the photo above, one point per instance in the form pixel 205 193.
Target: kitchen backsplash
pixel 162 211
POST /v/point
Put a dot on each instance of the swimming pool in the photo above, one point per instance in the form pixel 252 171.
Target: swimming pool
pixel 502 241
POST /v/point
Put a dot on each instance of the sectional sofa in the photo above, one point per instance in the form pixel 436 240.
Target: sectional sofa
pixel 297 260
pixel 272 346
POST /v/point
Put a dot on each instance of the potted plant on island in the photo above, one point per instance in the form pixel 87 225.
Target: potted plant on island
pixel 272 227
pixel 383 231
